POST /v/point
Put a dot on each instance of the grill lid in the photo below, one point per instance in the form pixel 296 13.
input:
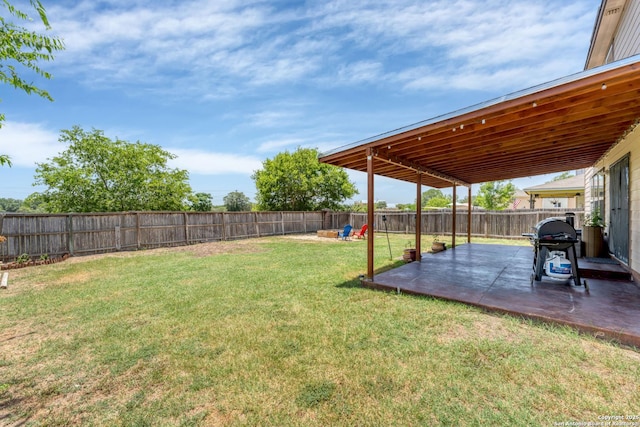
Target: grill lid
pixel 555 229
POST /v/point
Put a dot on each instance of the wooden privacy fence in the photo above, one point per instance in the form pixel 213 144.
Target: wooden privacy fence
pixel 84 234
pixel 491 224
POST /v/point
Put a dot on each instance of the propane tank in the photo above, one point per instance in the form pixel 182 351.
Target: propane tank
pixel 557 266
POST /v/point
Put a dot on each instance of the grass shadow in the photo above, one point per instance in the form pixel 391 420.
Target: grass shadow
pixel 7 405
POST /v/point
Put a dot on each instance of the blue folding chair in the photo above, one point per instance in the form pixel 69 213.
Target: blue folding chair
pixel 345 233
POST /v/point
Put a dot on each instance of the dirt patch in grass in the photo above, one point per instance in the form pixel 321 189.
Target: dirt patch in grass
pixel 198 250
pixel 77 277
pixel 315 238
pixel 488 327
pixel 12 336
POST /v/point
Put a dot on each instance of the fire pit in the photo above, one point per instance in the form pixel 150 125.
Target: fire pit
pixel 554 251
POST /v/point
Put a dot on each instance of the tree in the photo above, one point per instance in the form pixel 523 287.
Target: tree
pixel 465 200
pixel 431 194
pixel 20 46
pixel 96 174
pixel 381 204
pixel 201 202
pixel 236 201
pixel 563 175
pixel 439 202
pixel 10 205
pixel 495 195
pixel 358 206
pixel 299 182
pixel 34 203
pixel 406 206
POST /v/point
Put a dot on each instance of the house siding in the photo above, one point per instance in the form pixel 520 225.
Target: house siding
pixel 629 145
pixel 625 43
pixel 588 175
pixel 627 40
pixel 565 203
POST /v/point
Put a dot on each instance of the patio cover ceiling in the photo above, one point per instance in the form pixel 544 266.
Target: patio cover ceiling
pixel 566 124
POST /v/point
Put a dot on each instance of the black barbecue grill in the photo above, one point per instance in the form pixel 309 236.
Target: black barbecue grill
pixel 554 234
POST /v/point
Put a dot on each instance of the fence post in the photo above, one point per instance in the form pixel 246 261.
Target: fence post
pixel 224 226
pixel 255 219
pixel 486 224
pixel 186 227
pixel 508 225
pixel 138 230
pixel 117 237
pixel 2 253
pixel 406 227
pixel 70 234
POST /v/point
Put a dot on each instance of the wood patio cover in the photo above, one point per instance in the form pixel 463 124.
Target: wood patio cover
pixel 569 123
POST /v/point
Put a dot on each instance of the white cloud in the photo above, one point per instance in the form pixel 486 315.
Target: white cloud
pixel 273 117
pixel 28 143
pixel 439 44
pixel 277 144
pixel 361 72
pixel 269 118
pixel 209 163
pixel 219 49
pixel 216 41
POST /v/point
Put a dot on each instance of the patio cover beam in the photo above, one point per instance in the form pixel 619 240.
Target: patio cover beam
pixel 418 231
pixel 386 156
pixel 454 216
pixel 469 215
pixel 370 213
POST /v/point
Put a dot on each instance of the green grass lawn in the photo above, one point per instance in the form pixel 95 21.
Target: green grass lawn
pixel 278 331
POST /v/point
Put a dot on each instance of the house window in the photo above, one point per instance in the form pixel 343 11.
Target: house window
pixel 597 193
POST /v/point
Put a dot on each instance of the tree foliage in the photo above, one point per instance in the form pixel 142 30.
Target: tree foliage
pixel 236 201
pixel 201 202
pixel 96 174
pixel 563 175
pixel 406 206
pixel 465 200
pixel 34 203
pixel 23 50
pixel 495 195
pixel 381 204
pixel 357 206
pixel 299 182
pixel 431 194
pixel 439 201
pixel 10 205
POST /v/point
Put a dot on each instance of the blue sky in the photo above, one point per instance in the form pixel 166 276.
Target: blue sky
pixel 226 84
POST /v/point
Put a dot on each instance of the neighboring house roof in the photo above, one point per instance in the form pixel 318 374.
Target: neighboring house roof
pixel 569 187
pixel 520 194
pixel 565 124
